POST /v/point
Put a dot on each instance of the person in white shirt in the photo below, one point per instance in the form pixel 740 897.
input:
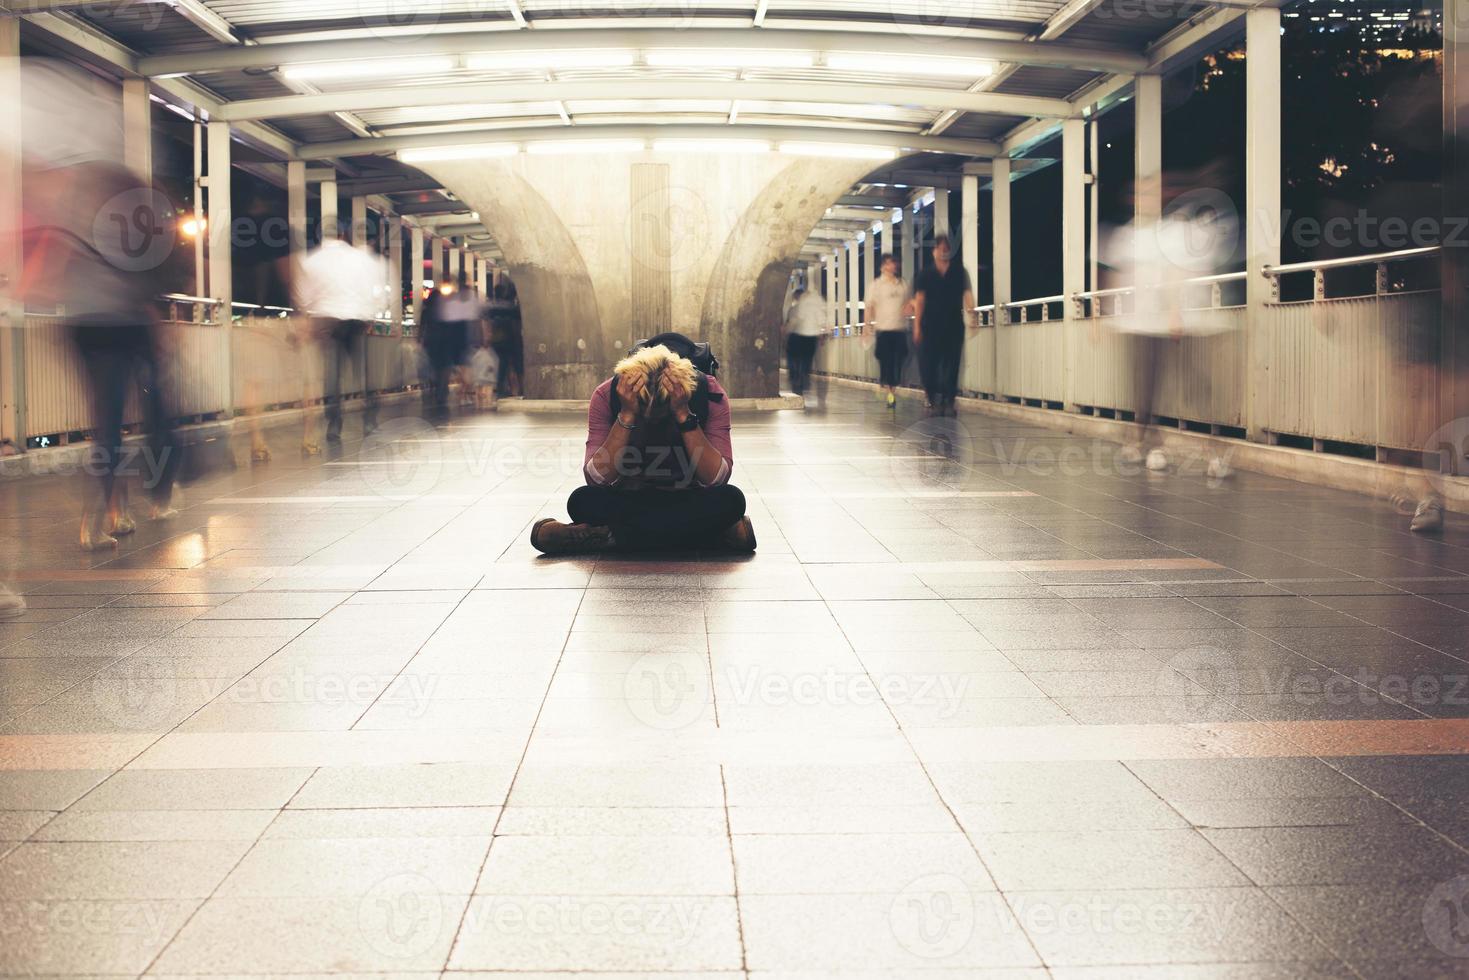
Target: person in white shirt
pixel 805 321
pixel 889 305
pixel 342 288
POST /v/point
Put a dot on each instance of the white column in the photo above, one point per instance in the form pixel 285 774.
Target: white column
pixel 1073 238
pixel 1148 184
pixel 415 273
pixel 328 210
pixel 359 220
pixel 1000 269
pixel 970 231
pixel 887 245
pixel 1262 202
pixel 833 290
pixel 12 310
pixel 854 270
pixel 908 261
pixel 441 259
pixel 137 127
pixel 296 206
pixel 221 264
pixel 393 229
pixel 456 260
pixel 940 213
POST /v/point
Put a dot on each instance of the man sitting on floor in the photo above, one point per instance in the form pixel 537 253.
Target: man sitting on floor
pixel 658 461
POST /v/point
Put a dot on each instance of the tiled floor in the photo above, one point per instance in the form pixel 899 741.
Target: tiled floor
pixel 1022 712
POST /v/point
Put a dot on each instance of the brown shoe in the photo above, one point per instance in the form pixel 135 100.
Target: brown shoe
pixel 739 536
pixel 551 537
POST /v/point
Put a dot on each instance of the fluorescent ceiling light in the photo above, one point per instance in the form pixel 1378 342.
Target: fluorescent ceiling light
pixel 365 69
pixel 845 151
pixel 566 147
pixel 725 58
pixel 893 64
pixel 552 60
pixel 711 146
pixel 472 151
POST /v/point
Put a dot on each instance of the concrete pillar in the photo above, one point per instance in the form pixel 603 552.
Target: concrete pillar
pixel 1073 240
pixel 969 232
pixel 12 310
pixel 137 127
pixel 1148 169
pixel 831 264
pixel 940 213
pixel 296 207
pixel 854 272
pixel 456 264
pixel 441 259
pixel 1262 204
pixel 359 220
pixel 415 274
pixel 1000 230
pixel 329 219
pixel 1453 402
pixel 221 263
pixel 908 261
pixel 393 229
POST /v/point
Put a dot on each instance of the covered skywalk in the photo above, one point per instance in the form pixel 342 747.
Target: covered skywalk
pixel 991 699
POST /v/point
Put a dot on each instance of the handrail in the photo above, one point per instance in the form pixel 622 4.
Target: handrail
pixel 1037 301
pixel 183 298
pixel 1197 281
pixel 1378 258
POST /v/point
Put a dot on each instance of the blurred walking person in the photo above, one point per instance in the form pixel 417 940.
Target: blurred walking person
pixel 447 321
pixel 805 321
pixel 340 287
pixel 102 243
pixel 942 305
pixel 889 304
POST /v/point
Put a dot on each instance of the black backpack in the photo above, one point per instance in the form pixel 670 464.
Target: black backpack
pixel 703 359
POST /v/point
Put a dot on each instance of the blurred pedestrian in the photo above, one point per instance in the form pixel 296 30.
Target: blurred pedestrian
pixel 889 305
pixel 506 338
pixel 942 305
pixel 805 322
pixel 340 287
pixel 102 243
pixel 447 322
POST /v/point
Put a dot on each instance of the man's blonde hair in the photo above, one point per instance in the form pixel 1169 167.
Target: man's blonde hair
pixel 653 364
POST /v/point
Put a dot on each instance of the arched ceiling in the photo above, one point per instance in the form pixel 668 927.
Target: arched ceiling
pixel 367 84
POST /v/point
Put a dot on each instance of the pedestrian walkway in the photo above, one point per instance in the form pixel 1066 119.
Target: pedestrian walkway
pixel 985 700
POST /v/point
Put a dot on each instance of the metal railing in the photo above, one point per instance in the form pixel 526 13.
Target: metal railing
pixel 1382 263
pixel 261 364
pixel 1344 366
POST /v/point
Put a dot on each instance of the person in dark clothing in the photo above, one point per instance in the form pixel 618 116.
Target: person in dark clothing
pixel 943 304
pixel 104 244
pixel 657 470
pixel 506 338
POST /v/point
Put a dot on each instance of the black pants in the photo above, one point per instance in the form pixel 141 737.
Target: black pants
pixel 118 353
pixel 448 345
pixel 800 354
pixel 938 362
pixel 655 520
pixel 342 347
pixel 1147 361
pixel 892 351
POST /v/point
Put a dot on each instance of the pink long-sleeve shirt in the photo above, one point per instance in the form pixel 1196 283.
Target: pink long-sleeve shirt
pixel 660 458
